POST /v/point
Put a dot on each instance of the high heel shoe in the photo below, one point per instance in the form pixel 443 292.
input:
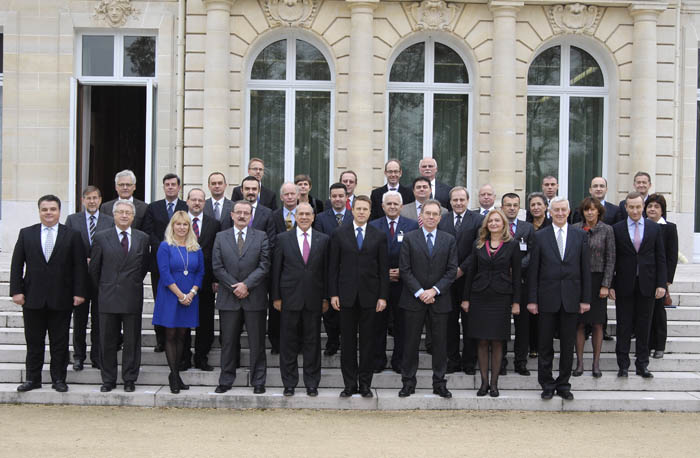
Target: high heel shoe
pixel 578 371
pixel 493 392
pixel 174 385
pixel 596 372
pixel 182 384
pixel 483 390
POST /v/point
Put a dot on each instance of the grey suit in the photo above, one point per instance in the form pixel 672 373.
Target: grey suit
pixel 119 279
pixel 226 209
pixel 250 267
pixel 409 211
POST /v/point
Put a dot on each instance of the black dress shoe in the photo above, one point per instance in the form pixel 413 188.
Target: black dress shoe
pixel 504 371
pixel 566 395
pixel 274 351
pixel 493 392
pixel 622 373
pixel 378 371
pixel 522 371
pixel 159 348
pixel 470 371
pixel 452 368
pixel 221 389
pixel 96 366
pixel 547 394
pixel 60 386
pixel 347 392
pixel 442 391
pixel 174 383
pixel 366 392
pixel 313 392
pixel 185 364
pixel 28 386
pixel 330 350
pixel 129 387
pixel 259 389
pixel 107 387
pixel 607 336
pixel 288 391
pixel 396 369
pixel 483 390
pixel 204 366
pixel 406 391
pixel 183 385
pixel 644 373
pixel 78 365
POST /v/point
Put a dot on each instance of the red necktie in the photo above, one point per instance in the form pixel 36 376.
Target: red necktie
pixel 391 229
pixel 512 231
pixel 195 227
pixel 347 204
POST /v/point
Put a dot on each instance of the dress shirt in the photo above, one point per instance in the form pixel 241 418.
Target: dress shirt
pixel 286 212
pixel 425 234
pixel 630 228
pixel 252 215
pixel 364 229
pixel 336 213
pixel 454 219
pixel 432 188
pixel 390 187
pixel 200 219
pixel 482 209
pixel 515 225
pixel 396 223
pixel 236 231
pixel 565 229
pixel 43 236
pixel 128 235
pixel 418 207
pixel 221 205
pixel 300 239
pixel 87 222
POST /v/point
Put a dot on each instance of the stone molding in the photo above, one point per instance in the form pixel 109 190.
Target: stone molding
pixel 575 18
pixel 115 13
pixel 432 14
pixel 290 13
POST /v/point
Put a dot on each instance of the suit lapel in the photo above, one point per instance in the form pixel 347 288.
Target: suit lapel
pixel 647 237
pixel 569 236
pixel 247 242
pixel 553 241
pixel 59 239
pixel 117 246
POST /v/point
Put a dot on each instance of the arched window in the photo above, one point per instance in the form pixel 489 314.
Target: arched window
pixel 567 100
pixel 428 113
pixel 290 90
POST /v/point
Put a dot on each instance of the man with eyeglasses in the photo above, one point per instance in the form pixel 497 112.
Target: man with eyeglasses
pixel 125 185
pixel 266 197
pixel 392 172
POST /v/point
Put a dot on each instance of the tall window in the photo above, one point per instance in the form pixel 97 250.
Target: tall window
pixel 2 52
pixel 697 156
pixel 566 118
pixel 428 92
pixel 291 101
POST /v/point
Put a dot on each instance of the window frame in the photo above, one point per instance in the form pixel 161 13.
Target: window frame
pixel 118 63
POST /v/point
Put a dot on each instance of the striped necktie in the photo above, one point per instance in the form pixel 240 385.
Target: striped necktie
pixel 93 226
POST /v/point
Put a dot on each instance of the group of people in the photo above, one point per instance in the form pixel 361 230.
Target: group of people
pixel 401 261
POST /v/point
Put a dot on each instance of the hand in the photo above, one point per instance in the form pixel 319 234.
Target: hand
pixel 604 291
pixel 88 260
pixel 611 294
pixel 77 300
pixel 18 299
pixel 532 308
pixel 583 308
pixel 465 306
pixel 277 304
pixel 660 292
pixel 381 305
pixel 324 306
pixel 428 296
pixel 215 287
pixel 335 303
pixel 394 275
pixel 240 290
pixel 515 309
pixel 459 272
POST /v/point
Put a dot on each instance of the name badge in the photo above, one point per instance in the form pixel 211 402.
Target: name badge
pixel 523 245
pixel 399 236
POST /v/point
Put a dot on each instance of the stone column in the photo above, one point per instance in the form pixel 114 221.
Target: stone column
pixel 503 91
pixel 215 154
pixel 644 80
pixel 360 104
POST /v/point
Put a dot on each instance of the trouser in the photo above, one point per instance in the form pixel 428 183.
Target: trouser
pixel 522 334
pixel 633 314
pixel 354 319
pixel 308 342
pixel 37 322
pixel 565 323
pixel 331 322
pixel 273 326
pixel 231 324
pixel 80 319
pixel 160 330
pixel 391 312
pixel 413 325
pixel 111 326
pixel 658 334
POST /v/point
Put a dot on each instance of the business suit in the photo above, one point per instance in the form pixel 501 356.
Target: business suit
pixel 266 197
pixel 637 275
pixel 420 270
pixel 78 222
pixel 141 207
pixel 302 287
pixel 359 278
pixel 378 194
pixel 410 211
pixel 226 209
pixel 48 288
pixel 558 287
pixel 442 194
pixel 657 337
pixel 401 228
pixel 623 209
pixel 251 267
pixel 119 279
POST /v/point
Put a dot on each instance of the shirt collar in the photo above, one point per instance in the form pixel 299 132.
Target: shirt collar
pixel 171 202
pixel 88 215
pixel 221 201
pixel 199 218
pixel 364 227
pixel 340 212
pixel 119 231
pixel 300 233
pixel 565 228
pixel 425 232
pixel 244 230
pixel 389 220
pixel 630 221
pixel 286 211
pixel 43 226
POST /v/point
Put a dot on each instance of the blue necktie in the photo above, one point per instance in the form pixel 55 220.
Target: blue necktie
pixel 360 239
pixel 170 209
pixel 430 244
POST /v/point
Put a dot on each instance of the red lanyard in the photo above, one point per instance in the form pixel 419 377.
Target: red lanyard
pixel 488 248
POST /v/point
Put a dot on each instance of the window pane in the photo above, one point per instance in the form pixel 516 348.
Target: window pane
pixel 585 71
pixel 140 56
pixel 406 132
pixel 2 51
pixel 271 63
pixel 450 129
pixel 98 55
pixel 697 173
pixel 410 65
pixel 585 145
pixel 542 140
pixel 267 134
pixel 449 67
pixel 546 67
pixel 312 138
pixel 311 65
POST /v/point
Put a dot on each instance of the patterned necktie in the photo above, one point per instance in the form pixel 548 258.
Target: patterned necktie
pixel 560 243
pixel 306 248
pixel 512 229
pixel 430 244
pixel 339 218
pixel 93 226
pixel 458 224
pixel 217 210
pixel 48 245
pixel 348 206
pixel 391 229
pixel 171 207
pixel 195 226
pixel 288 222
pixel 420 219
pixel 125 242
pixel 360 239
pixel 240 243
pixel 485 212
pixel 637 237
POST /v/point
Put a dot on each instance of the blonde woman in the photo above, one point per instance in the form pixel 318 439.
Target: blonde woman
pixel 181 267
pixel 492 294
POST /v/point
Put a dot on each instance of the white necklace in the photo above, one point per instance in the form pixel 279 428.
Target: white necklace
pixel 184 263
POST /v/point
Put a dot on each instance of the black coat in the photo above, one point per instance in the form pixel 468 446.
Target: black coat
pixel 442 194
pixel 155 222
pixel 499 273
pixel 141 208
pixel 670 234
pixel 77 222
pixel 262 221
pixel 612 215
pixel 268 198
pixel 650 262
pixel 326 222
pixel 468 233
pixel 378 193
pixel 207 234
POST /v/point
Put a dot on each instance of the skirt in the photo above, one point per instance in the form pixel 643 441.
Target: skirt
pixel 599 306
pixel 489 316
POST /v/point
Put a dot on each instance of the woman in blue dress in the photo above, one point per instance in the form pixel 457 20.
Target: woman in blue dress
pixel 181 267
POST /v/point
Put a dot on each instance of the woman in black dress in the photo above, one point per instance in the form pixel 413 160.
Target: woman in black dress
pixel 601 247
pixel 537 215
pixel 656 211
pixel 492 289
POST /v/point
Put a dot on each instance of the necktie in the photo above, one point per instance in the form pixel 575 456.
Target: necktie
pixel 170 209
pixel 420 219
pixel 252 216
pixel 48 245
pixel 125 242
pixel 360 239
pixel 339 218
pixel 288 222
pixel 93 226
pixel 306 248
pixel 391 229
pixel 430 244
pixel 485 212
pixel 347 204
pixel 637 238
pixel 392 189
pixel 458 224
pixel 560 243
pixel 240 243
pixel 217 210
pixel 512 229
pixel 195 226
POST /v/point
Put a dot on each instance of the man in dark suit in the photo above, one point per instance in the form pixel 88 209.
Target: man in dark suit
pixel 358 286
pixel 421 194
pixel 640 277
pixel 439 191
pixel 241 262
pixel 524 234
pixel 392 172
pixel 266 197
pixel 327 222
pixel 560 289
pixel 642 185
pixel 205 228
pixel 299 293
pixel 88 222
pixel 156 220
pixel 118 266
pixel 125 185
pixel 395 229
pixel 218 206
pixel 48 277
pixel 464 226
pixel 349 179
pixel 599 189
pixel 487 200
pixel 428 265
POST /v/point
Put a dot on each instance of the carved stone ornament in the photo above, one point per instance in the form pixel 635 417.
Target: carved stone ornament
pixel 433 15
pixel 115 12
pixel 574 18
pixel 290 13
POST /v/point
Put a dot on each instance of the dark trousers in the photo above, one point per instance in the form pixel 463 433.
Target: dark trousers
pixel 37 322
pixel 354 318
pixel 413 325
pixel 657 337
pixel 391 312
pixel 633 314
pixel 273 326
pixel 308 342
pixel 565 324
pixel 533 321
pixel 160 330
pixel 204 333
pixel 522 334
pixel 231 323
pixel 80 319
pixel 467 359
pixel 111 326
pixel 331 322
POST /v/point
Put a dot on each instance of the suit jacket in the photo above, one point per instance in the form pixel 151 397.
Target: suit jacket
pixel 77 222
pixel 117 277
pixel 469 231
pixel 326 222
pixel 409 211
pixel 420 270
pixel 316 204
pixel 141 207
pixel 278 221
pixel 226 209
pixel 499 273
pixel 670 235
pixel 442 194
pixel 49 284
pixel 207 234
pixel 623 210
pixel 649 264
pixel 553 282
pixel 267 197
pixel 378 194
pixel 525 233
pixel 358 274
pixel 299 285
pixel 155 222
pixel 404 225
pixel 251 267
pixel 262 221
pixel 612 215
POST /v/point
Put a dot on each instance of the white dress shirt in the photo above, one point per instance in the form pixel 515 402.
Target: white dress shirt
pixel 300 239
pixel 565 231
pixel 200 220
pixel 425 235
pixel 128 235
pixel 44 232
